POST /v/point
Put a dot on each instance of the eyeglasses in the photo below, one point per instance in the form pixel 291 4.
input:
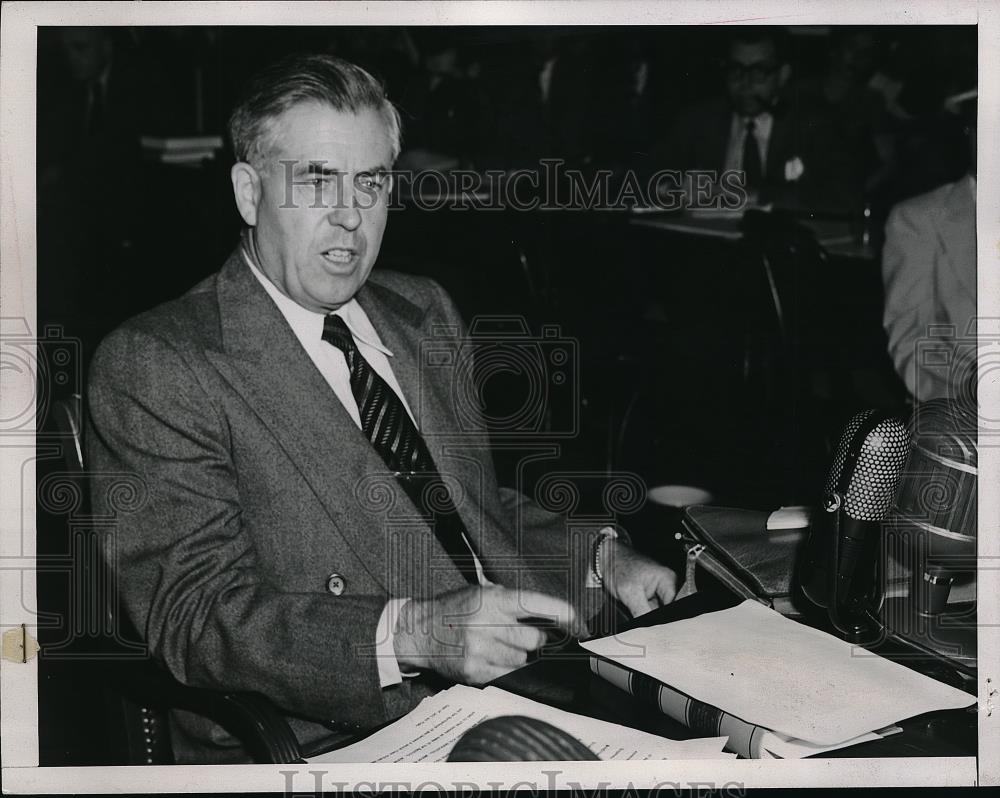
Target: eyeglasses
pixel 757 72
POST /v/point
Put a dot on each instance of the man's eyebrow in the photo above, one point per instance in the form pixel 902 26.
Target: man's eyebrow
pixel 320 168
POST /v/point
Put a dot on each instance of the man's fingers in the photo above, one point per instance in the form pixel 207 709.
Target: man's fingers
pixel 634 598
pixel 666 588
pixel 531 604
pixel 502 655
pixel 489 658
pixel 477 670
pixel 522 636
pixel 484 672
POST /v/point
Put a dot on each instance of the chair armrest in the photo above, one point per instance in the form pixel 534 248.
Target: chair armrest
pixel 250 717
pixel 255 721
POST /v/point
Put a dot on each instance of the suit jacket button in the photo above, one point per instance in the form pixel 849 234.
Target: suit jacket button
pixel 335 584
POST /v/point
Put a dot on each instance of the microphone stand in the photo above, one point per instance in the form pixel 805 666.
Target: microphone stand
pixel 852 597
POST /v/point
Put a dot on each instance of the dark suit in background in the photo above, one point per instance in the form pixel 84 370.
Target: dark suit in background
pixel 699 140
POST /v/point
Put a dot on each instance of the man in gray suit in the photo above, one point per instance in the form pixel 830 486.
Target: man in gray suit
pixel 316 525
pixel 929 277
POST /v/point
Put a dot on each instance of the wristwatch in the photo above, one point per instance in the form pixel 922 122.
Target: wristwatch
pixel 607 533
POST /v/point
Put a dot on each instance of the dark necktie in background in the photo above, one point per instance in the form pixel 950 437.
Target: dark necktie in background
pixel 390 429
pixel 752 169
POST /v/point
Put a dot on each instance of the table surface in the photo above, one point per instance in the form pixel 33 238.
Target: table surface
pixel 563 679
pixel 837 237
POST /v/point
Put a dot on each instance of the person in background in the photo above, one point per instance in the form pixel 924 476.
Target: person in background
pixel 536 95
pixel 789 155
pixel 858 112
pixel 921 69
pixel 442 107
pixel 929 275
pixel 619 136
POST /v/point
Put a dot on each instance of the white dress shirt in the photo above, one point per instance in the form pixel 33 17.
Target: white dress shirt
pixel 308 328
pixel 764 121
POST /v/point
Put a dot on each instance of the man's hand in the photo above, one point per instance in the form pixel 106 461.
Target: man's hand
pixel 477 634
pixel 638 582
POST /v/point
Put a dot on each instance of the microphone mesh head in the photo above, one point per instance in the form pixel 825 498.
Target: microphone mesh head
pixel 840 456
pixel 872 484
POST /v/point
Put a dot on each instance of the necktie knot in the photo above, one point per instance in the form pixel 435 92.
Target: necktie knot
pixel 335 332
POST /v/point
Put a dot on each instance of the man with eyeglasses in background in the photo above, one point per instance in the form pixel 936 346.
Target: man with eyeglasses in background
pixel 788 155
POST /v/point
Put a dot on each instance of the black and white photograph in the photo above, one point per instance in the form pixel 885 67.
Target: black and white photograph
pixel 482 396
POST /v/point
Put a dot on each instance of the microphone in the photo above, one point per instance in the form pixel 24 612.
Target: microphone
pixel 843 550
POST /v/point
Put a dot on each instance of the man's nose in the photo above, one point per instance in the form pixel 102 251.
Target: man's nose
pixel 346 213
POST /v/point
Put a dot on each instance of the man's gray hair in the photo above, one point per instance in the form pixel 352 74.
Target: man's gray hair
pixel 304 78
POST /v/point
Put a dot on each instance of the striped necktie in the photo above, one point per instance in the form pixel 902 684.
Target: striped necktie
pixel 390 429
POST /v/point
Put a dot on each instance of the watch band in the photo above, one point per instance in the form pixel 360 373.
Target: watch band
pixel 607 533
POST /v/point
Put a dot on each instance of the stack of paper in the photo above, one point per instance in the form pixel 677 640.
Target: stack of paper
pixel 428 733
pixel 811 691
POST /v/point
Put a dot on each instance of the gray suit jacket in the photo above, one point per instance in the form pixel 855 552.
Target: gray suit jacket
pixel 255 486
pixel 929 274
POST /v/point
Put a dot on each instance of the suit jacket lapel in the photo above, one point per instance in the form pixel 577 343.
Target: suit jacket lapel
pixel 398 323
pixel 716 140
pixel 264 362
pixel 401 326
pixel 779 146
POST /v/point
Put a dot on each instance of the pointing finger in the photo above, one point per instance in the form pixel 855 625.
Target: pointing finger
pixel 532 604
pixel 522 636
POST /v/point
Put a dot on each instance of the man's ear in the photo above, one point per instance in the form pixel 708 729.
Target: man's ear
pixel 784 73
pixel 246 190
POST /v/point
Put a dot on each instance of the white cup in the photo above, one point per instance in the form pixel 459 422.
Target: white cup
pixel 678 495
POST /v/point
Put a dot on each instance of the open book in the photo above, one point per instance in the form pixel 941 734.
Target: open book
pixel 774 686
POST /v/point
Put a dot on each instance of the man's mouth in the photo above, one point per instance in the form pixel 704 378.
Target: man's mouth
pixel 340 255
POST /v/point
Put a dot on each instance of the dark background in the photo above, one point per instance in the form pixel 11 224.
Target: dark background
pixel 675 379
